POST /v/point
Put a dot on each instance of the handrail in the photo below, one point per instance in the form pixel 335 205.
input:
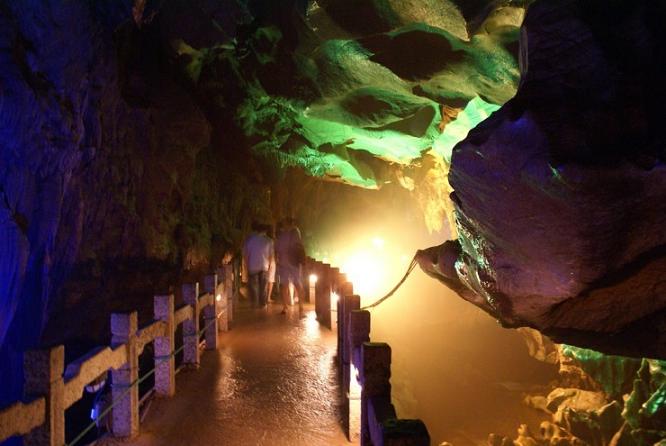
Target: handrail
pixel 57 388
pixel 365 365
pixel 88 367
pixel 182 314
pixel 20 418
pixel 148 334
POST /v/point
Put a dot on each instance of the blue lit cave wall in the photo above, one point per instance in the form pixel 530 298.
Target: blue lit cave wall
pixel 111 182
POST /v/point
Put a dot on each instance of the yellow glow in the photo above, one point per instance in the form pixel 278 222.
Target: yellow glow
pixel 364 270
pixel 218 297
pixel 378 242
pixel 313 279
pixel 311 325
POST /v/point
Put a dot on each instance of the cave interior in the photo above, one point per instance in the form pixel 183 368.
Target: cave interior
pixel 140 139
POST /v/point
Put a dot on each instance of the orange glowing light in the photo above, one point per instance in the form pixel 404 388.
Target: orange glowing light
pixel 364 270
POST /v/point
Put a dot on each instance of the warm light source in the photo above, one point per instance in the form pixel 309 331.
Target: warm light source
pixel 313 279
pixel 364 270
pixel 218 297
pixel 378 242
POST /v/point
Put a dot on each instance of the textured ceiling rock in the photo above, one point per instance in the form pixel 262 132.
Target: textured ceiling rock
pixel 560 196
pixel 356 105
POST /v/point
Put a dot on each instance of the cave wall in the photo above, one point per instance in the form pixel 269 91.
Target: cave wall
pixel 107 165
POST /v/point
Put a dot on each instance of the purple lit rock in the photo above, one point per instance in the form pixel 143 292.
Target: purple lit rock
pixel 560 196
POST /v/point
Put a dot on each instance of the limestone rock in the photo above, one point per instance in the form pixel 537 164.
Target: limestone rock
pixel 561 400
pixel 560 222
pixel 539 346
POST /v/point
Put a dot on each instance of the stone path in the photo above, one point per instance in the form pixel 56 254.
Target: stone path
pixel 273 382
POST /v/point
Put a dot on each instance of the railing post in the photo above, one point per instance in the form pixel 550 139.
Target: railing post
pixel 191 354
pixel 350 303
pixel 375 376
pixel 210 312
pixel 323 297
pixel 125 389
pixel 211 285
pixel 227 280
pixel 320 271
pixel 334 300
pixel 165 362
pixel 43 371
pixel 346 289
pixel 358 333
pixel 313 270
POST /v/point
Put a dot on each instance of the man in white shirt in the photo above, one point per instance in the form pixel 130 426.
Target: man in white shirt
pixel 258 254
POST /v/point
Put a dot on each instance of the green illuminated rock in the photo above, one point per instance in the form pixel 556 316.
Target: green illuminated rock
pixel 363 108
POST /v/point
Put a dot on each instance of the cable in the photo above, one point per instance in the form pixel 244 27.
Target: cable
pixel 129 388
pixel 411 267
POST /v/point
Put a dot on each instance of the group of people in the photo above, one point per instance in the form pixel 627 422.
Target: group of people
pixel 263 257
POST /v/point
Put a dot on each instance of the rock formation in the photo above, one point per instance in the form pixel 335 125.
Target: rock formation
pixel 560 196
pixel 599 400
pixel 139 137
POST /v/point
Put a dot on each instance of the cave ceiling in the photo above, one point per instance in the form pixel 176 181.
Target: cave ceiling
pixel 557 197
pixel 365 93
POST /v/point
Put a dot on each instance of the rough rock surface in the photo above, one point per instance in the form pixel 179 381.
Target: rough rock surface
pixel 125 130
pixel 560 196
pixel 611 401
pixel 106 167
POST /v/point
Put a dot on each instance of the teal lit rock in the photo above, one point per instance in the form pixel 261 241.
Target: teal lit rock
pixel 614 374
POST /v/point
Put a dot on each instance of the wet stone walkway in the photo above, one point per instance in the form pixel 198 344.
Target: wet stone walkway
pixel 272 382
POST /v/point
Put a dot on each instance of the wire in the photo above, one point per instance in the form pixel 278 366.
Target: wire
pixel 129 388
pixel 411 267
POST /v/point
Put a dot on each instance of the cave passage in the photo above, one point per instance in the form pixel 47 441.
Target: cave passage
pixel 141 141
pixel 273 382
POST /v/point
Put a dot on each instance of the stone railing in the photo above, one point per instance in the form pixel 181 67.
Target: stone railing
pixel 50 388
pixel 365 366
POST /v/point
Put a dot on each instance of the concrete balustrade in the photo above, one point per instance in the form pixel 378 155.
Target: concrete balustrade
pixel 191 355
pixel 43 377
pixel 124 390
pixel 165 362
pixel 226 273
pixel 346 289
pixel 323 295
pixel 358 332
pixel 50 388
pixel 365 367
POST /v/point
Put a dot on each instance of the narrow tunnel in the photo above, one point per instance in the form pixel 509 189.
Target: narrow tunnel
pixel 512 149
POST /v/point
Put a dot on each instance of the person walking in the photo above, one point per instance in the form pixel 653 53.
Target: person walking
pixel 270 232
pixel 290 254
pixel 258 253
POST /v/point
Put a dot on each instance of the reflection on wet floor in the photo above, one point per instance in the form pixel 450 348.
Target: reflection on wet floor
pixel 273 382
